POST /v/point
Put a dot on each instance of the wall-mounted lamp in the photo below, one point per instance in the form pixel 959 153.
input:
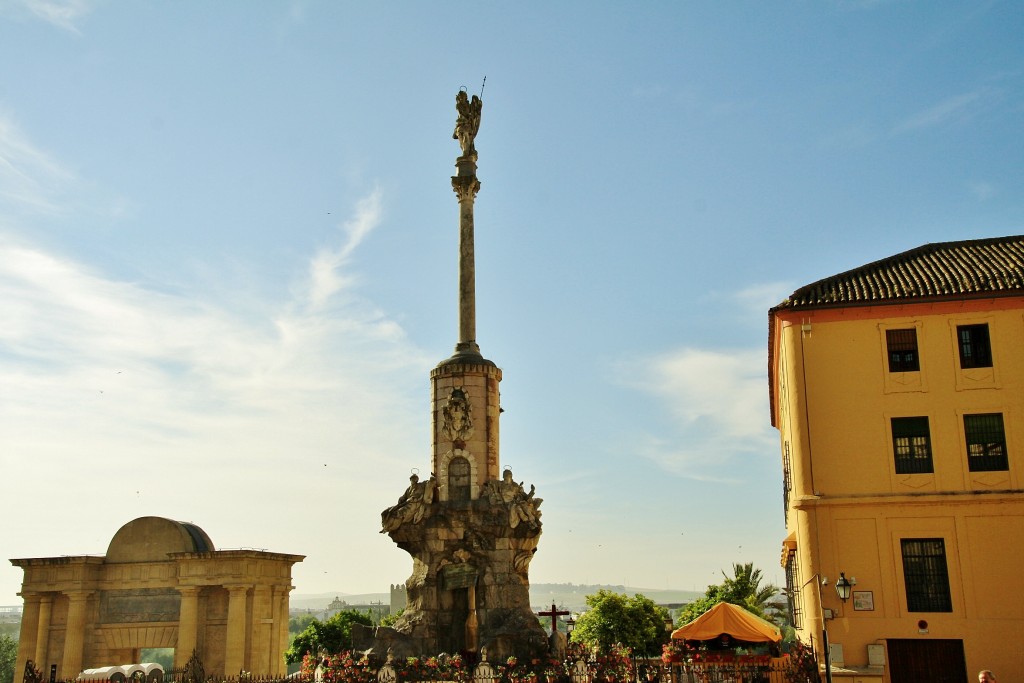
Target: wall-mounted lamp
pixel 843 587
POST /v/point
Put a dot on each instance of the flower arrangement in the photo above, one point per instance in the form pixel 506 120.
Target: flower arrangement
pixel 614 665
pixel 672 652
pixel 442 667
pixel 344 667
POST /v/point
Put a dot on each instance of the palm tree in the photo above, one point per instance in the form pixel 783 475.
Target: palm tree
pixel 744 588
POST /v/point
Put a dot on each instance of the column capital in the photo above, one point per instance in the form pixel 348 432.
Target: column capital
pixel 465 187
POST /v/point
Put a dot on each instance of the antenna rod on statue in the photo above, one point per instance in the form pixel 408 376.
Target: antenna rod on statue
pixel 466 186
pixel 482 85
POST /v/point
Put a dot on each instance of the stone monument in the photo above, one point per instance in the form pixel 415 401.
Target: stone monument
pixel 161 584
pixel 471 529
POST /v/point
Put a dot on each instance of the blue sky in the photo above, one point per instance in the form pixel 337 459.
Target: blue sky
pixel 228 253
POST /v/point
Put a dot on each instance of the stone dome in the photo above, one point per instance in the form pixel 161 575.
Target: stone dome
pixel 150 539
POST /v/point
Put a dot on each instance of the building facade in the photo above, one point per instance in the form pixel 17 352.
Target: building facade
pixel 162 584
pixel 898 392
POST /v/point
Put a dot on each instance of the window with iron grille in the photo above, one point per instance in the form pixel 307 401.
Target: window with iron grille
pixel 986 443
pixel 902 348
pixel 925 575
pixel 787 481
pixel 975 351
pixel 793 591
pixel 912 445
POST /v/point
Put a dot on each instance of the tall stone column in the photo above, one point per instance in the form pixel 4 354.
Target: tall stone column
pixel 29 632
pixel 234 647
pixel 188 625
pixel 466 186
pixel 43 631
pixel 74 634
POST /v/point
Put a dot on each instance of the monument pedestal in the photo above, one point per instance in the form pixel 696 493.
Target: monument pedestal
pixel 470 579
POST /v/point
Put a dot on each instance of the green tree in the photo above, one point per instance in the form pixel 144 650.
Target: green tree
pixel 390 619
pixel 164 656
pixel 8 656
pixel 299 623
pixel 635 622
pixel 743 588
pixel 333 635
pixel 712 597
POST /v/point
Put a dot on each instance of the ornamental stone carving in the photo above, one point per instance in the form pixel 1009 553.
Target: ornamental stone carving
pixel 457 417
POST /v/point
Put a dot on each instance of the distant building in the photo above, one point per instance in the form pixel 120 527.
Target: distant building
pixel 10 614
pixel 399 597
pixel 376 610
pixel 898 392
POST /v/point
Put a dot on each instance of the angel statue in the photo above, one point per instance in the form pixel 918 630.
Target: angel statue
pixel 468 122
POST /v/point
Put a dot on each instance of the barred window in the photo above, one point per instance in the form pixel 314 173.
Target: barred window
pixel 975 351
pixel 912 445
pixel 925 575
pixel 986 443
pixel 787 481
pixel 793 591
pixel 902 348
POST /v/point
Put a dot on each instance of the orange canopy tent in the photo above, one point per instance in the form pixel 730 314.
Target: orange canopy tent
pixel 728 618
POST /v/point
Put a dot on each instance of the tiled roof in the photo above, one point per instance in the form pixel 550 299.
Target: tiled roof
pixel 942 269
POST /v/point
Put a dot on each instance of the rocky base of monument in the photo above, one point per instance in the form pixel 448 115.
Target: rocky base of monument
pixel 469 591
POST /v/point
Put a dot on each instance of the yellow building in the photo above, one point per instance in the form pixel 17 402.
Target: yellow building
pixel 898 392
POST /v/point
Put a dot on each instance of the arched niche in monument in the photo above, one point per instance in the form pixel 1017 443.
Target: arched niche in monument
pixel 458 479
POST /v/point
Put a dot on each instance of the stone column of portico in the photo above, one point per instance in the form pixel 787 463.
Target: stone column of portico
pixel 74 634
pixel 260 663
pixel 234 648
pixel 280 642
pixel 29 632
pixel 43 631
pixel 188 625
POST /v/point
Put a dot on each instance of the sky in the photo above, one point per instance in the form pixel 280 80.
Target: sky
pixel 229 243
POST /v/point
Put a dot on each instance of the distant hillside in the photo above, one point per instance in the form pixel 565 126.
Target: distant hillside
pixel 573 596
pixel 569 596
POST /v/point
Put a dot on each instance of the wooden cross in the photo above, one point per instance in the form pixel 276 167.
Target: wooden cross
pixel 554 614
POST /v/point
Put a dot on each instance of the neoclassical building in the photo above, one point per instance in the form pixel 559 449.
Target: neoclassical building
pixel 162 584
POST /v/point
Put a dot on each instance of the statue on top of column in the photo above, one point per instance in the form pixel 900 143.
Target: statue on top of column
pixel 468 123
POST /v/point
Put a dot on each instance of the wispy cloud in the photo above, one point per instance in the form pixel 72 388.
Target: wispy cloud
pixel 953 109
pixel 30 180
pixel 64 14
pixel 758 298
pixel 127 389
pixel 718 404
pixel 326 276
